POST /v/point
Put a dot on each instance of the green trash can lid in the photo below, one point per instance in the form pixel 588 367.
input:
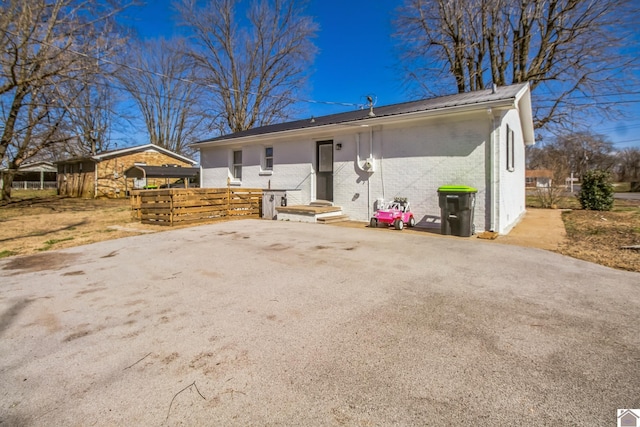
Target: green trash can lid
pixel 457 189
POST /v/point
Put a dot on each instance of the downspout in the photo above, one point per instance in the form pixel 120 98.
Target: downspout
pixel 95 180
pixel 492 172
pixel 369 177
pixel 362 169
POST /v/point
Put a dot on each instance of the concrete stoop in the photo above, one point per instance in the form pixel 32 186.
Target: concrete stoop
pixel 319 211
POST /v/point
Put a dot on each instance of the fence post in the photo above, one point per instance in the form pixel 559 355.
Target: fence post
pixel 170 206
pixel 228 197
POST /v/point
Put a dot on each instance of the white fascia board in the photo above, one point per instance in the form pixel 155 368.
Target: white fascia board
pixel 125 150
pixel 523 105
pixel 335 128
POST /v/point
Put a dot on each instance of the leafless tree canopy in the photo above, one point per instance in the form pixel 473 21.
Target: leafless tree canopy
pixel 254 66
pixel 577 153
pixel 628 167
pixel 45 64
pixel 568 50
pixel 166 93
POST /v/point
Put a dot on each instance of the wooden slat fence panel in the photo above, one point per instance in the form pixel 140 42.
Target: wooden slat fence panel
pixel 185 205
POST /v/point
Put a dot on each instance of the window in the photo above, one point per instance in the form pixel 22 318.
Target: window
pixel 511 157
pixel 237 165
pixel 268 158
pixel 325 158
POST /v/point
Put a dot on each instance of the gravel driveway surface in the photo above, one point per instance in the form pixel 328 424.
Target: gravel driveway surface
pixel 275 323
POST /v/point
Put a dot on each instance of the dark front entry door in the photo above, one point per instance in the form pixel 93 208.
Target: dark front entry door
pixel 324 171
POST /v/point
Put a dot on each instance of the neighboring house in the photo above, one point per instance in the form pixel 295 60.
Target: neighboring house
pixel 102 175
pixel 353 159
pixel 538 178
pixel 33 176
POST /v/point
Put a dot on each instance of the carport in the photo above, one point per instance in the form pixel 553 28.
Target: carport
pixel 142 172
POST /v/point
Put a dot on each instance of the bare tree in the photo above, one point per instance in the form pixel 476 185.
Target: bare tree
pixel 568 50
pixel 577 152
pixel 161 80
pixel 628 167
pixel 255 66
pixel 46 49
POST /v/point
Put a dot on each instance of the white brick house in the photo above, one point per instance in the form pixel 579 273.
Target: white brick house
pixel 404 150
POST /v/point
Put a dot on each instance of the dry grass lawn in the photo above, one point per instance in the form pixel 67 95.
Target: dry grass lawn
pixel 38 221
pixel 600 236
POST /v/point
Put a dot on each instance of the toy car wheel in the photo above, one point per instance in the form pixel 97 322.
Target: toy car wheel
pixel 373 223
pixel 412 222
pixel 399 224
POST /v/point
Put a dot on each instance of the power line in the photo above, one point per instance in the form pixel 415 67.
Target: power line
pixel 631 101
pixel 626 140
pixel 182 79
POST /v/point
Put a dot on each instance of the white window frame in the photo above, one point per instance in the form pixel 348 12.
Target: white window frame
pixel 236 167
pixel 268 158
pixel 511 156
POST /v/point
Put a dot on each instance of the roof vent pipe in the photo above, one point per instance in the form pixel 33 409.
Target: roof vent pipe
pixel 371 113
pixel 494 88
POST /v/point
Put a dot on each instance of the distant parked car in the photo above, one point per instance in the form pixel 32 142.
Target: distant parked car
pixel 180 183
pixel 396 213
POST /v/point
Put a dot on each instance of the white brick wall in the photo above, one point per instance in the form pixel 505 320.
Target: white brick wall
pixel 412 160
pixel 292 168
pixel 416 159
pixel 511 190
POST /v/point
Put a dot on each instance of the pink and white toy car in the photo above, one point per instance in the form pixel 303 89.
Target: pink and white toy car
pixel 396 213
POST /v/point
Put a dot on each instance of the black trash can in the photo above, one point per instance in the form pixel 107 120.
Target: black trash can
pixel 457 203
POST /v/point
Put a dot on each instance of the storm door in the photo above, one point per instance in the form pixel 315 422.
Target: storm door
pixel 324 171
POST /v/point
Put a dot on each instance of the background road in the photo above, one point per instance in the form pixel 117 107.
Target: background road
pixel 275 323
pixel 627 196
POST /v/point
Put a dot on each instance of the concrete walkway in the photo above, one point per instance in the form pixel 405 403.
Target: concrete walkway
pixel 540 228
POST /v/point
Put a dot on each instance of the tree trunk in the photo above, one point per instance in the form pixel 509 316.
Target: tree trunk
pixel 7 180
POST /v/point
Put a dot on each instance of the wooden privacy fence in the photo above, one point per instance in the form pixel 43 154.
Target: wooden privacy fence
pixel 181 205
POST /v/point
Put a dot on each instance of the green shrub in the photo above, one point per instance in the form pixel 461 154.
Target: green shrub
pixel 596 193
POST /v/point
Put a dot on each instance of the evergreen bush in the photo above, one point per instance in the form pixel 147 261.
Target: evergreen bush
pixel 596 193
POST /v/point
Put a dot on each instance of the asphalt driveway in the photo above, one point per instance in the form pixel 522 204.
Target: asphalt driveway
pixel 275 323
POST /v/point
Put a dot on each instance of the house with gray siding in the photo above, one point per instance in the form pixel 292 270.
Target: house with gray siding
pixel 357 159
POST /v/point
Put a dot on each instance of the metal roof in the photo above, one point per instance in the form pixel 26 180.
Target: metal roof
pixel 161 172
pixel 501 93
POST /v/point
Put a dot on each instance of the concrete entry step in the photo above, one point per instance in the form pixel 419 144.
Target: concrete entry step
pixel 332 219
pixel 309 210
pixel 320 203
pixel 307 213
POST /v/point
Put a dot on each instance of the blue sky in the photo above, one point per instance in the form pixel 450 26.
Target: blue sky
pixel 356 58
